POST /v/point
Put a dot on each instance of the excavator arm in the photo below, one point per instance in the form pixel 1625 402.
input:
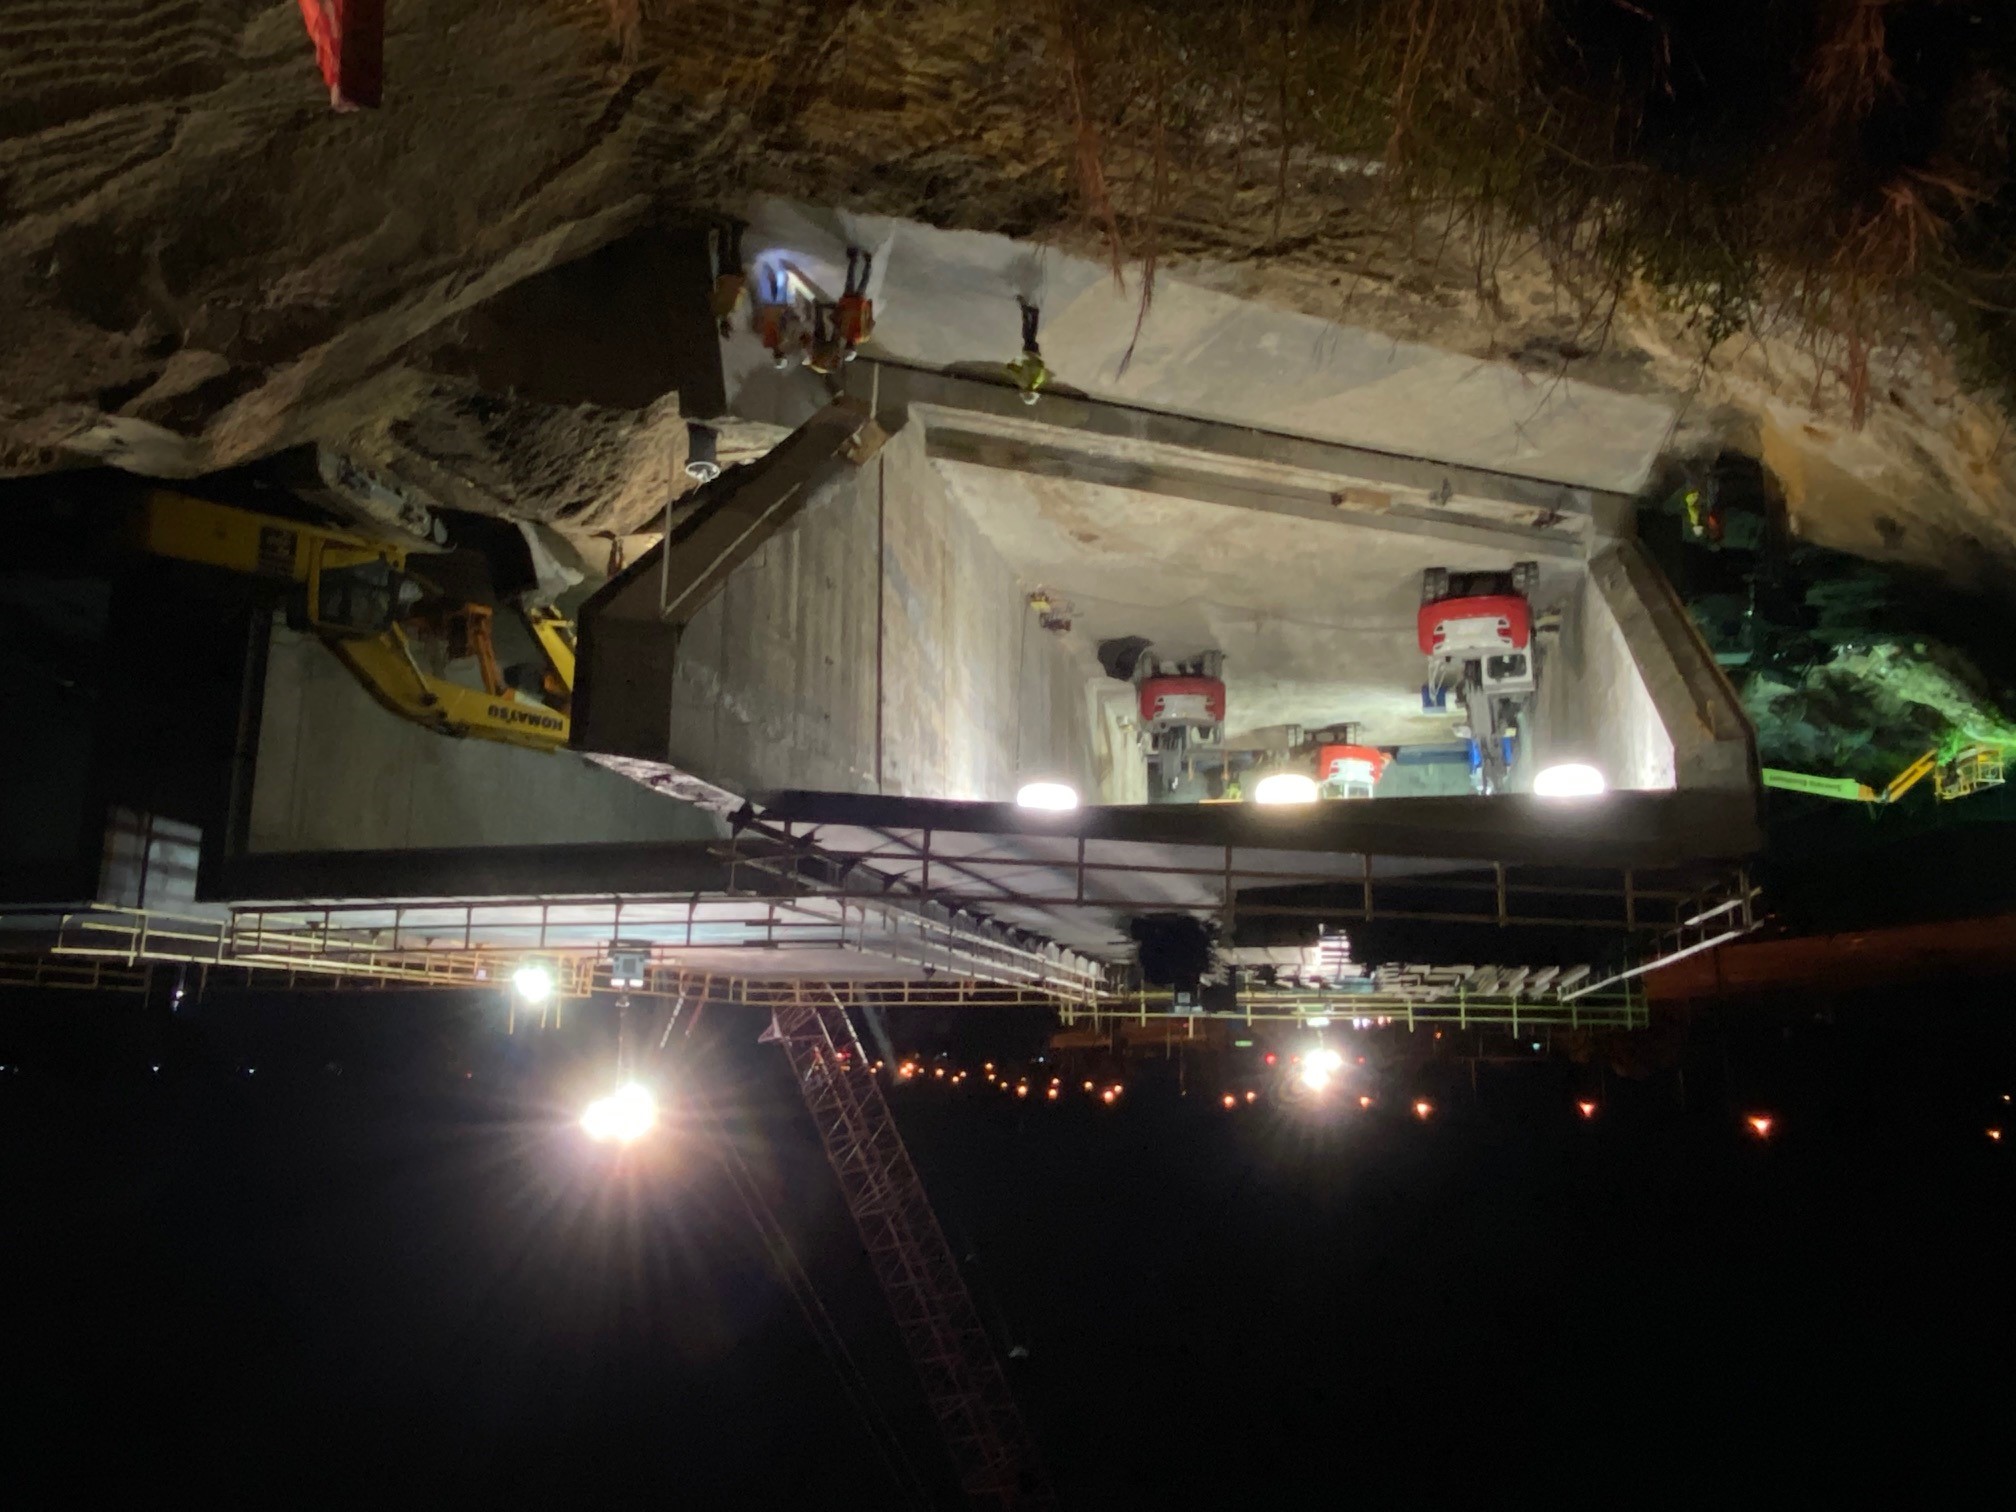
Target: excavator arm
pixel 358 597
pixel 385 665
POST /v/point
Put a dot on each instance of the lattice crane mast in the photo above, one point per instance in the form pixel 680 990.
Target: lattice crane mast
pixel 955 1359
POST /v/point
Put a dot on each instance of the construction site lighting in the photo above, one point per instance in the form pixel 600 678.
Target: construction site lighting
pixel 1321 1021
pixel 623 1117
pixel 1285 787
pixel 532 982
pixel 1569 779
pixel 627 968
pixel 1055 796
pixel 1320 1067
pixel 1323 1059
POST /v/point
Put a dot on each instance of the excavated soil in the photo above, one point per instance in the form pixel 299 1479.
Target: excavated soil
pixel 202 265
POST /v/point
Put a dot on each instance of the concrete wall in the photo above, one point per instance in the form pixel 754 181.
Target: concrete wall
pixel 916 669
pixel 773 680
pixel 1713 745
pixel 338 772
pixel 1594 704
pixel 1629 686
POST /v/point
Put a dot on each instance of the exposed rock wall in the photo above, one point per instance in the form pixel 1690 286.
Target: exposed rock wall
pixel 200 264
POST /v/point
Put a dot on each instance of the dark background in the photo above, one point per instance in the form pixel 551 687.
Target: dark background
pixel 355 1248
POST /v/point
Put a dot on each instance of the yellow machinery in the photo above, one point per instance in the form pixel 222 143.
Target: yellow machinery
pixel 1970 770
pixel 358 597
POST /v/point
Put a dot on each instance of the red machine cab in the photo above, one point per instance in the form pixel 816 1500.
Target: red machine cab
pixel 1182 699
pixel 1484 623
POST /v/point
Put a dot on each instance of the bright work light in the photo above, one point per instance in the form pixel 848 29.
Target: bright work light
pixel 623 1117
pixel 1285 787
pixel 1568 779
pixel 1047 795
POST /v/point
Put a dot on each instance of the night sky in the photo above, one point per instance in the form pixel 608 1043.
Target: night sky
pixel 344 1249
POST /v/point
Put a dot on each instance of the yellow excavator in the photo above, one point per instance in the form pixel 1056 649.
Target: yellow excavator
pixel 379 618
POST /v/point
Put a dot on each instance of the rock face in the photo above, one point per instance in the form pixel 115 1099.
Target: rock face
pixel 202 265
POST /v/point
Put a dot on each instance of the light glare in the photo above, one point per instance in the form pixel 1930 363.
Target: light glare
pixel 623 1117
pixel 1056 796
pixel 1319 1067
pixel 533 983
pixel 1285 787
pixel 1569 779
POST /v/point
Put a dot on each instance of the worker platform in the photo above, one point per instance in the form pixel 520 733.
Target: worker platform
pixel 967 906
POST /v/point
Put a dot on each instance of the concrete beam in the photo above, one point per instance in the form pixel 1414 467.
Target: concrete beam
pixel 978 419
pixel 1310 500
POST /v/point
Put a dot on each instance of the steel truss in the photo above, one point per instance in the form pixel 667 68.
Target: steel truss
pixel 961 1374
pixel 1055 874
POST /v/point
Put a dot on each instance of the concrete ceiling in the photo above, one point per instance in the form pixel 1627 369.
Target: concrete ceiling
pixel 1316 618
pixel 948 299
